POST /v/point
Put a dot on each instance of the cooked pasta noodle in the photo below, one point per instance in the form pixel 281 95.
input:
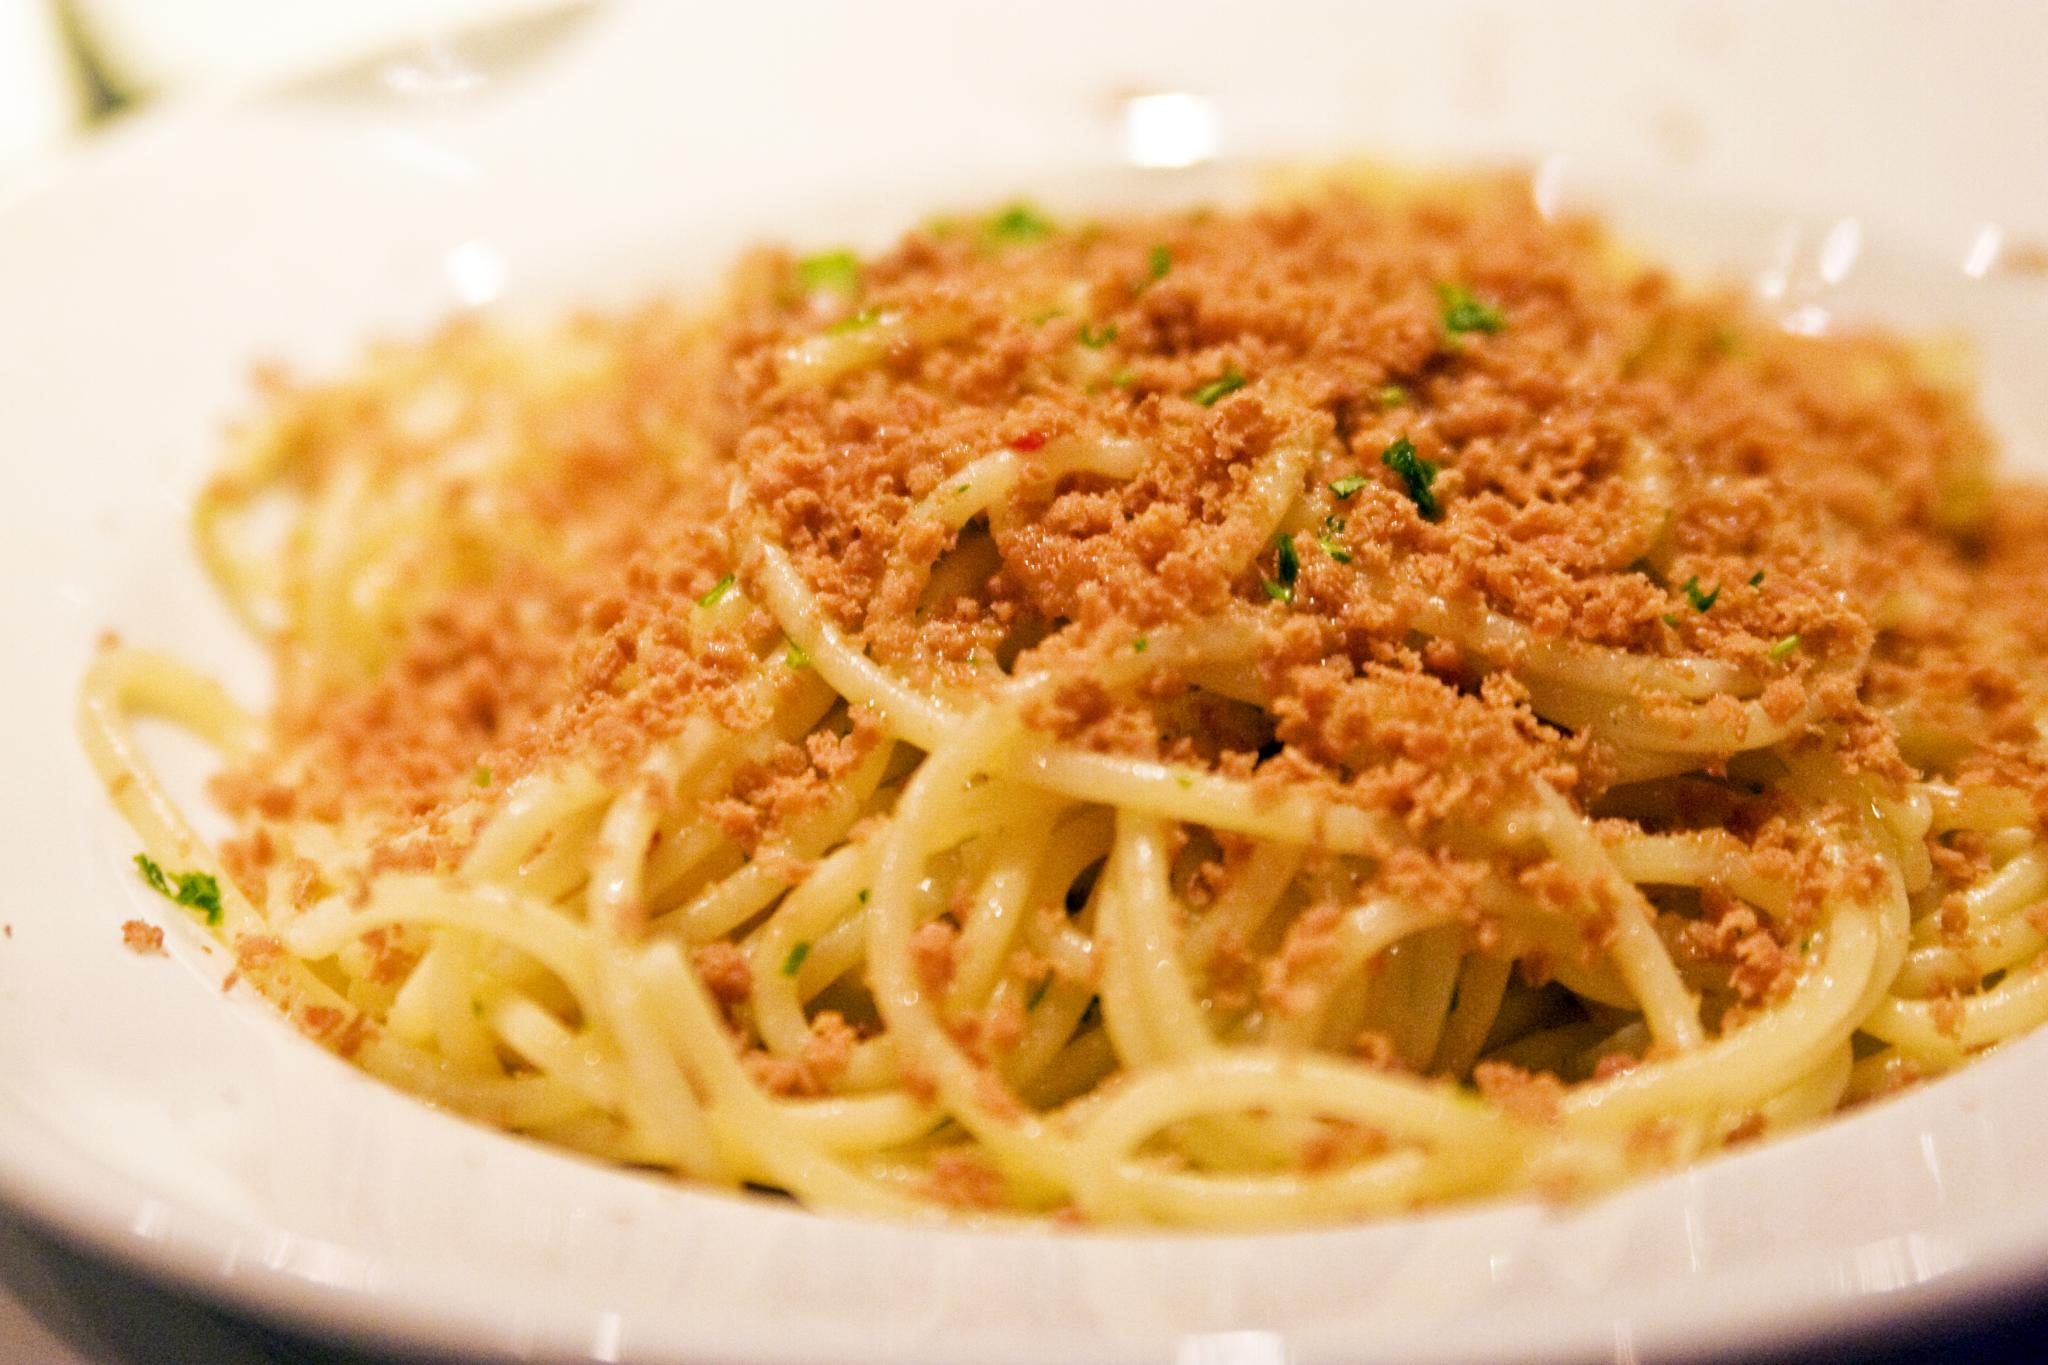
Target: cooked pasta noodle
pixel 1232 719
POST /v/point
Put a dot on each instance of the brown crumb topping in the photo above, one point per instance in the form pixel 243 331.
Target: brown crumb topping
pixel 142 938
pixel 1411 528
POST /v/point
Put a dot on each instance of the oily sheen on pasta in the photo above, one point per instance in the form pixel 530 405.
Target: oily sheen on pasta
pixel 1232 719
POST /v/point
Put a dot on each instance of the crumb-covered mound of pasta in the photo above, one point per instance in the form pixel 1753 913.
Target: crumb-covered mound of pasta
pixel 1233 719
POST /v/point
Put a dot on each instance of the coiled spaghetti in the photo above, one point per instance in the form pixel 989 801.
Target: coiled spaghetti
pixel 1236 719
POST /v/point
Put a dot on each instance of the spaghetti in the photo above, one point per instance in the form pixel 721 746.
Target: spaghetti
pixel 1232 719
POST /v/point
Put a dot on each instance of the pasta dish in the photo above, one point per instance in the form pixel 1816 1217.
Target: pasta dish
pixel 1233 718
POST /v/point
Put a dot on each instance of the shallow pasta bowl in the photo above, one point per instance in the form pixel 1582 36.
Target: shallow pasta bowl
pixel 589 158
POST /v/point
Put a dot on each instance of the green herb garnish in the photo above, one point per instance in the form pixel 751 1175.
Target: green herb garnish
pixel 153 874
pixel 1095 338
pixel 1417 473
pixel 836 272
pixel 717 593
pixel 483 775
pixel 1158 261
pixel 1783 649
pixel 1349 485
pixel 194 890
pixel 1287 564
pixel 795 961
pixel 1230 381
pixel 1018 223
pixel 795 656
pixel 1327 538
pixel 863 896
pixel 1463 312
pixel 1700 600
pixel 1123 379
pixel 1287 559
pixel 1756 580
pixel 1038 992
pixel 1140 645
pixel 1393 396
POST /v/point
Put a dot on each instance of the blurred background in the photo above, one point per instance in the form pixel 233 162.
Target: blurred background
pixel 68 67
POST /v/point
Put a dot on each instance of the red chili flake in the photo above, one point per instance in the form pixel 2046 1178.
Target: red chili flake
pixel 1030 440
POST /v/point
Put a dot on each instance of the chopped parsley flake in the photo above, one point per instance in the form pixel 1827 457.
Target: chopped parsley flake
pixel 1289 562
pixel 1158 261
pixel 1185 781
pixel 795 961
pixel 1700 600
pixel 795 656
pixel 483 775
pixel 1018 223
pixel 1349 485
pixel 1463 312
pixel 1040 319
pixel 1417 473
pixel 1756 580
pixel 1393 396
pixel 1123 379
pixel 1038 991
pixel 717 593
pixel 1783 649
pixel 1229 382
pixel 836 272
pixel 153 874
pixel 1327 538
pixel 1670 620
pixel 1140 645
pixel 194 890
pixel 863 896
pixel 1095 338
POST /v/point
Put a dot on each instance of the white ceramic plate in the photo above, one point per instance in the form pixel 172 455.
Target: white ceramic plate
pixel 1849 158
